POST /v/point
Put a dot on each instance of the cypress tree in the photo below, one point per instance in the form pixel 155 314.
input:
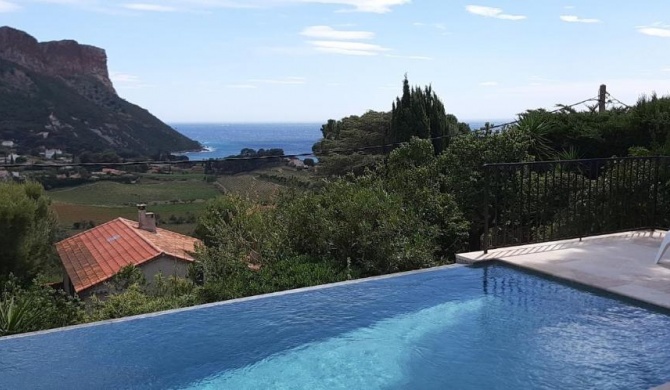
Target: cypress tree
pixel 419 113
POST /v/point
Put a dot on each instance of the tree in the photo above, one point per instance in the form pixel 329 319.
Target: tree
pixel 462 165
pixel 420 113
pixel 353 144
pixel 27 230
pixel 358 223
pixel 413 173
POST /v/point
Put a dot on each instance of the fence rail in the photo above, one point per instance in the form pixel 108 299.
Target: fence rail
pixel 543 201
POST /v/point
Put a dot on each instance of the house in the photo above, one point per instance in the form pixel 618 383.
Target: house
pixel 8 144
pixel 11 158
pixel 296 163
pixel 93 257
pixel 112 172
pixel 52 153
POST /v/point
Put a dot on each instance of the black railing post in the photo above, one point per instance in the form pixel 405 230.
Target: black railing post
pixel 654 220
pixel 603 200
pixel 487 192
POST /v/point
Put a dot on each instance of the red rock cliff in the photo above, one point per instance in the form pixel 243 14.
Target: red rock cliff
pixel 67 59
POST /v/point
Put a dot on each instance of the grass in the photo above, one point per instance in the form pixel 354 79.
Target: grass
pixel 178 194
pixel 103 201
pixel 249 186
pixel 108 193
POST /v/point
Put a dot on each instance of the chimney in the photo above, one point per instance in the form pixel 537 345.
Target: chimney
pixel 147 221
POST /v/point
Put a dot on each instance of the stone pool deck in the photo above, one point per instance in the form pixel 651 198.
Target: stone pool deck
pixel 621 264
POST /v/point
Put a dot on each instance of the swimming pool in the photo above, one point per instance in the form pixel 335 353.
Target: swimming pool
pixel 457 327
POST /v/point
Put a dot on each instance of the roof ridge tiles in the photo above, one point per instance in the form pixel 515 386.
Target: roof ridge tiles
pixel 134 229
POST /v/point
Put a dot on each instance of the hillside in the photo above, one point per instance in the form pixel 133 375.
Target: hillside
pixel 58 95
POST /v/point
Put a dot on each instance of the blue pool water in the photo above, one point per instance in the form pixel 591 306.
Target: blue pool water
pixel 452 328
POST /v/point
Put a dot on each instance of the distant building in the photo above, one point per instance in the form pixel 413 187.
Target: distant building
pixel 296 163
pixel 112 172
pixel 11 157
pixel 93 257
pixel 51 153
pixel 8 144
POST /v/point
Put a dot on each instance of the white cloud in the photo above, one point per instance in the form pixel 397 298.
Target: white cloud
pixel 656 30
pixel 375 6
pixel 569 7
pixel 7 6
pixel 124 78
pixel 666 69
pixel 149 7
pixel 348 48
pixel 126 81
pixel 577 19
pixel 326 32
pixel 492 12
pixel 489 84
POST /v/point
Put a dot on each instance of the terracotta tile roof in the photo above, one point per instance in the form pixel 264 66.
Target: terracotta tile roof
pixel 97 254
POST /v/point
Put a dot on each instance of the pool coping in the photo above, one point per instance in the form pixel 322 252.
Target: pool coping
pixel 229 302
pixel 522 257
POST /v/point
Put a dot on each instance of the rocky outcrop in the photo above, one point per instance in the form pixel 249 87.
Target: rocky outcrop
pixel 66 59
pixel 63 88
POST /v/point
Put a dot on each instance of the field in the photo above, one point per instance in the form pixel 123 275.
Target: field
pixel 249 186
pixel 182 198
pixel 178 198
pixel 151 192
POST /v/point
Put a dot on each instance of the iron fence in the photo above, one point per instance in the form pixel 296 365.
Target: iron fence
pixel 543 201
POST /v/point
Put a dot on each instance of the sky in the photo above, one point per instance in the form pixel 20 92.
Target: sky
pixel 312 60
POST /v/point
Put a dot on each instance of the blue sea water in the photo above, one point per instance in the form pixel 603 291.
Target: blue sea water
pixel 227 139
pixel 491 327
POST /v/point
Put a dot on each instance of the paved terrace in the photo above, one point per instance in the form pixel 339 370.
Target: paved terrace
pixel 622 264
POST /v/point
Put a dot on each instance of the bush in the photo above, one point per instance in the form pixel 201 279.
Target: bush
pixel 37 307
pixel 361 224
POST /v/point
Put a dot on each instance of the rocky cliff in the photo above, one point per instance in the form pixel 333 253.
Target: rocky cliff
pixel 59 95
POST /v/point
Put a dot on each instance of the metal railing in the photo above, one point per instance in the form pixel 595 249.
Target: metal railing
pixel 543 201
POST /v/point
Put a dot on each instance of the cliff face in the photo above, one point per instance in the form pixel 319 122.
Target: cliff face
pixel 67 59
pixel 63 88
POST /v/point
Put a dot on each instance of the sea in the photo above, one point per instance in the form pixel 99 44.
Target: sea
pixel 227 139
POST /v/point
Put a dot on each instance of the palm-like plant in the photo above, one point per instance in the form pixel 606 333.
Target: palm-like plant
pixel 535 126
pixel 17 317
pixel 567 154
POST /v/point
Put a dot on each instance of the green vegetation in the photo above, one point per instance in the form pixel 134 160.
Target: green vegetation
pixel 107 193
pixel 379 211
pixel 248 160
pixel 249 185
pixel 177 201
pixel 27 231
pixel 36 307
pixel 420 113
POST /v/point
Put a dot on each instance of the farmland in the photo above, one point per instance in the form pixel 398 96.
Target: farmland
pixel 177 201
pixel 178 198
